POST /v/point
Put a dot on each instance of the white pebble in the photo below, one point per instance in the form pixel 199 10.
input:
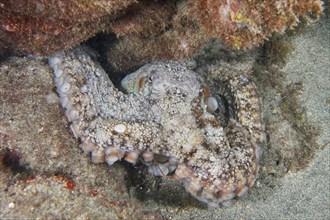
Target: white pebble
pixel 212 104
pixel 120 128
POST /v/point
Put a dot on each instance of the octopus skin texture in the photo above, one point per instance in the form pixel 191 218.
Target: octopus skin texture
pixel 204 130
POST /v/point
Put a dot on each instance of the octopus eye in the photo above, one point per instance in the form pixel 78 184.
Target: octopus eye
pixel 150 78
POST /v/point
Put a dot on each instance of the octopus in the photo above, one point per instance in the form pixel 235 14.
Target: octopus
pixel 204 130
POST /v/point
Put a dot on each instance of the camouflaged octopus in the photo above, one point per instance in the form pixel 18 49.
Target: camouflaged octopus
pixel 206 134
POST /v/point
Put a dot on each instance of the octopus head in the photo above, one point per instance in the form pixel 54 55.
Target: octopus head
pixel 155 81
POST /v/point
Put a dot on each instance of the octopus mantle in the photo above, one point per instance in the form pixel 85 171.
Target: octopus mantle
pixel 206 133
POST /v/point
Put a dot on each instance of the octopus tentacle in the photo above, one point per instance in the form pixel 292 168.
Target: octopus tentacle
pixel 168 118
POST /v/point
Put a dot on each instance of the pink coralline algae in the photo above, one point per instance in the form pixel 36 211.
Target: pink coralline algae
pixel 238 24
pixel 147 30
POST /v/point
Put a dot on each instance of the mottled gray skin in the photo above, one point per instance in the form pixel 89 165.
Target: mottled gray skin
pixel 163 119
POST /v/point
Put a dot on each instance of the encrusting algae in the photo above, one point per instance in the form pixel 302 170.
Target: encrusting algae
pixel 147 30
